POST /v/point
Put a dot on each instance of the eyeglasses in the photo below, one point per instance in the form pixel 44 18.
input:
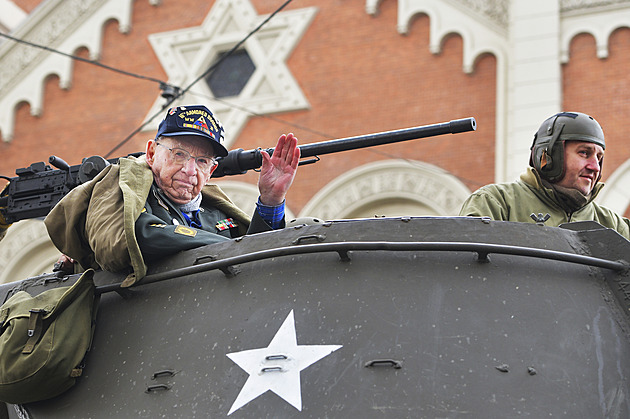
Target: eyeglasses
pixel 181 157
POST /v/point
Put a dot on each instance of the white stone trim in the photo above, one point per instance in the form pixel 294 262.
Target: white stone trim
pixel 371 7
pixel 413 181
pixel 10 15
pixel 64 25
pixel 535 79
pixel 600 23
pixel 480 35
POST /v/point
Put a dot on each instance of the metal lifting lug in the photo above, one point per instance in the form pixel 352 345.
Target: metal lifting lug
pixel 163 373
pixel 385 363
pixel 157 387
pixel 318 238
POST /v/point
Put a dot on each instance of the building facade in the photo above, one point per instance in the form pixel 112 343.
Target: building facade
pixel 323 70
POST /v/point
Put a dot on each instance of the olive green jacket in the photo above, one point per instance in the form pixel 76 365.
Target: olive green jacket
pixel 516 201
pixel 95 223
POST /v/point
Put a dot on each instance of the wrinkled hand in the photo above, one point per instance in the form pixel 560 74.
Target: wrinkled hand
pixel 278 170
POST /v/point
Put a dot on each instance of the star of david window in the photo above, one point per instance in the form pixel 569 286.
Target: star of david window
pixel 231 75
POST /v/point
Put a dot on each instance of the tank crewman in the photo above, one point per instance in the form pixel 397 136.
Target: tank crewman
pixel 566 162
pixel 144 208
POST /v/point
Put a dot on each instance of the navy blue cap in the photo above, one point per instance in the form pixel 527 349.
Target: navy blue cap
pixel 194 120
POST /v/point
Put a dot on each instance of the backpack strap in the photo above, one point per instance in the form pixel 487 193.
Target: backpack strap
pixel 78 370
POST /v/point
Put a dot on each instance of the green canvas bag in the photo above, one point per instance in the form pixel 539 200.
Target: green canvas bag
pixel 43 340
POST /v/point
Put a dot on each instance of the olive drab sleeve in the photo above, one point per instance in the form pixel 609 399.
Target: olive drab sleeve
pixel 135 182
pixel 94 223
pixel 483 203
pixel 66 223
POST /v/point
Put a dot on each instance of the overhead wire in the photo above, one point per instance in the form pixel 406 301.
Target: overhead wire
pixel 180 92
pixel 85 60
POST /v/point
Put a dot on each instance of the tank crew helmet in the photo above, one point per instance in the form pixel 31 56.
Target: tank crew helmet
pixel 194 120
pixel 547 151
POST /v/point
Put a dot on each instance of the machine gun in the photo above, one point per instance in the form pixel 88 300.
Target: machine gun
pixel 38 188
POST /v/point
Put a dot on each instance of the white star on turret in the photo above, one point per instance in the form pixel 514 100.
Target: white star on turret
pixel 277 367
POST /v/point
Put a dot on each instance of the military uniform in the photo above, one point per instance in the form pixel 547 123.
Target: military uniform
pixel 516 201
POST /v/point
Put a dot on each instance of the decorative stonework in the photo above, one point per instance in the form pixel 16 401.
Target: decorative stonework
pixel 411 181
pixel 600 22
pixel 52 30
pixel 597 17
pixel 481 33
pixel 65 25
pixel 187 53
pixel 495 10
pixel 572 5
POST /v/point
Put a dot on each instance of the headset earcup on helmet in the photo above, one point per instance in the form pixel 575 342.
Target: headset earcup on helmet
pixel 547 155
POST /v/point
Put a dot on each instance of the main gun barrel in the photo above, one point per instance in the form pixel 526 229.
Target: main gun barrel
pixel 239 161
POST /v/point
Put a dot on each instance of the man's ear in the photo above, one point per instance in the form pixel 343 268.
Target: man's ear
pixel 209 175
pixel 150 154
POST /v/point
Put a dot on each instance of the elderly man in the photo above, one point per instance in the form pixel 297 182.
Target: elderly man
pixel 182 159
pixel 142 209
pixel 562 182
